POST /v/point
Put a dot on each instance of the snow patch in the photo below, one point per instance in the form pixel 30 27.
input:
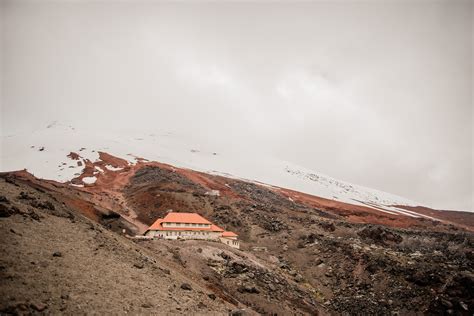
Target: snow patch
pixel 112 168
pixel 213 193
pixel 173 148
pixel 89 180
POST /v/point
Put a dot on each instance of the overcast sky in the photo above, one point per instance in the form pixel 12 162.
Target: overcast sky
pixel 378 93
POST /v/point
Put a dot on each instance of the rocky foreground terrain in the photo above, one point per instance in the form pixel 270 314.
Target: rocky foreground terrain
pixel 68 249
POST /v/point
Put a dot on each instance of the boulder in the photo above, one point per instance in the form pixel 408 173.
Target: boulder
pixel 186 287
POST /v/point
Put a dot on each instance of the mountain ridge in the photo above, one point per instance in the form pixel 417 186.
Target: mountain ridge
pixel 300 254
pixel 44 154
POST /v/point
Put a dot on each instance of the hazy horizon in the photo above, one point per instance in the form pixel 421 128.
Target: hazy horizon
pixel 374 93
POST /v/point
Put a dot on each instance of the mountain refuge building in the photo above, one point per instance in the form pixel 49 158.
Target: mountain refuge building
pixel 190 226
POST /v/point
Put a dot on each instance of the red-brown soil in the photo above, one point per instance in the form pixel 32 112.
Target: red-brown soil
pixel 464 220
pixel 110 185
pixel 307 255
pixel 55 261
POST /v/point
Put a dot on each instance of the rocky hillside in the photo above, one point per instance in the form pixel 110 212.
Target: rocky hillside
pixel 56 261
pixel 300 254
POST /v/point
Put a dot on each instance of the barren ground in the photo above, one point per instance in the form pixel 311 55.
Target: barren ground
pixel 64 250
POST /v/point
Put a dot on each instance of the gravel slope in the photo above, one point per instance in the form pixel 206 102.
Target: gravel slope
pixel 54 261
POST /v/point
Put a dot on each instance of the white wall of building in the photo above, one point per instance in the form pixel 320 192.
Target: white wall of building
pixel 175 234
pixel 230 242
pixel 182 233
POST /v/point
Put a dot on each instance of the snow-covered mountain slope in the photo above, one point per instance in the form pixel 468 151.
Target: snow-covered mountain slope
pixel 44 153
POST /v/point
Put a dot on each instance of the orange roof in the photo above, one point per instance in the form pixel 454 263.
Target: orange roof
pixel 229 234
pixel 194 218
pixel 187 218
pixel 156 225
pixel 216 228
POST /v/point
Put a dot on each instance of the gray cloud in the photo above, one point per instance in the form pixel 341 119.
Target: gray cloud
pixel 375 93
